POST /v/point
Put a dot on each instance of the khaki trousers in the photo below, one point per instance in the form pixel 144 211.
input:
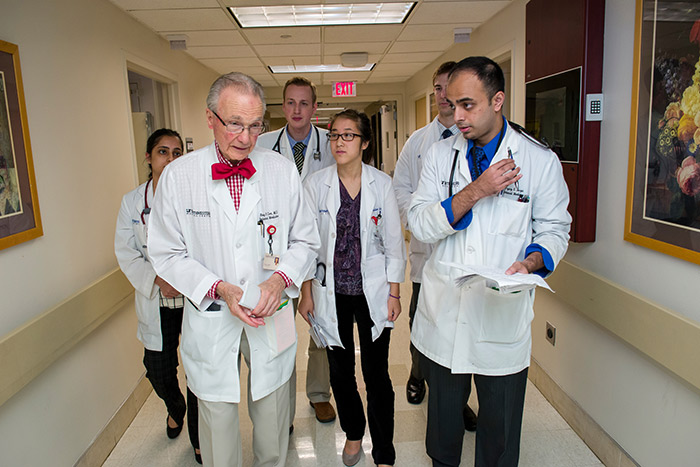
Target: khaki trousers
pixel 219 429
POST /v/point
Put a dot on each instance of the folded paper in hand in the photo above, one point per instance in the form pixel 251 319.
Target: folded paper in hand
pixel 317 333
pixel 497 279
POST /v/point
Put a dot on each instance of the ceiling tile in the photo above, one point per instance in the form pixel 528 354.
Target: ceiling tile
pixel 226 65
pixel 185 20
pixel 202 38
pixel 421 46
pixel 272 35
pixel 291 60
pixel 370 33
pixel 331 59
pixel 461 12
pixel 225 51
pixel 164 4
pixel 435 32
pixel 369 47
pixel 291 49
pixel 417 57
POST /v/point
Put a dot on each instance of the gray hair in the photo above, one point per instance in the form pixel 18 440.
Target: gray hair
pixel 240 81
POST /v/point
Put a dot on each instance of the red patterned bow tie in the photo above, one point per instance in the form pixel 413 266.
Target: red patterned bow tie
pixel 220 171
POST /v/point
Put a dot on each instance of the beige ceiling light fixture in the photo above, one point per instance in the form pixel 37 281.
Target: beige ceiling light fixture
pixel 321 15
pixel 318 68
pixel 353 59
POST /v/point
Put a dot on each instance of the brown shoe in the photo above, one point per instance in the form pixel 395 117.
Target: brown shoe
pixel 325 413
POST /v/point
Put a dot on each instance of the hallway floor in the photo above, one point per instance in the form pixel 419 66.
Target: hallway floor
pixel 547 440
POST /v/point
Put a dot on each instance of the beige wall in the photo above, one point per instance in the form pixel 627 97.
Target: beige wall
pixel 73 57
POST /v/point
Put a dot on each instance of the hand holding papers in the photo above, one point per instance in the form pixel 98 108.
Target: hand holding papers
pixel 497 278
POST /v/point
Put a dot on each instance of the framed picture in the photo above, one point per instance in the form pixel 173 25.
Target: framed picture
pixel 20 219
pixel 663 184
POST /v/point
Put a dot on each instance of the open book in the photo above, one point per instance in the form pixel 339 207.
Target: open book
pixel 497 278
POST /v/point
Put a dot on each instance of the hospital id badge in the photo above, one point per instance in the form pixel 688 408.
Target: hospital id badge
pixel 270 262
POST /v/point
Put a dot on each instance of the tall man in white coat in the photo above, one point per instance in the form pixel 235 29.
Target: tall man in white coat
pixel 406 177
pixel 491 197
pixel 228 221
pixel 308 147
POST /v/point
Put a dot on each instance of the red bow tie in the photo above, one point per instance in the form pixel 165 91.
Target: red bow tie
pixel 220 171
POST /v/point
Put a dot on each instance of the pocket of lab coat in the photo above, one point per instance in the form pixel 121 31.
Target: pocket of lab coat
pixel 509 217
pixel 201 332
pixel 505 317
pixel 325 315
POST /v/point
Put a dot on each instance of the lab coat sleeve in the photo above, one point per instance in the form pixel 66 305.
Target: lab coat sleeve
pixel 167 248
pixel 403 174
pixel 550 219
pixel 304 239
pixel 135 266
pixel 427 219
pixel 395 251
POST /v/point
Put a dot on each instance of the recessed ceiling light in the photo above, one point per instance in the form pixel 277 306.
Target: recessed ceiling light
pixel 321 15
pixel 318 68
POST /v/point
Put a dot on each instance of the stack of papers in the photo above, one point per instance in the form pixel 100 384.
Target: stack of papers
pixel 317 333
pixel 497 279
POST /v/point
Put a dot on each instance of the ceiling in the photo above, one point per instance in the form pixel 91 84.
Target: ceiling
pixel 400 51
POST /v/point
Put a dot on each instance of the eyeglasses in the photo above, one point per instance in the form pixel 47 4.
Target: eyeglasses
pixel 345 136
pixel 236 128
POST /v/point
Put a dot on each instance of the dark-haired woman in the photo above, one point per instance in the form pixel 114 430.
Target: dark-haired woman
pixel 158 305
pixel 360 265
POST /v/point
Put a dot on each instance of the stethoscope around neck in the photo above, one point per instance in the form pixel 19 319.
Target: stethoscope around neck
pixel 317 152
pixel 146 209
pixel 454 160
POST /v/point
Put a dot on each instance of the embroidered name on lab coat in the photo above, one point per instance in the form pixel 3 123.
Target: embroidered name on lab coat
pixel 192 212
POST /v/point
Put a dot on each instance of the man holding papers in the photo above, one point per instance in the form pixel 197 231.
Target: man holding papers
pixel 493 197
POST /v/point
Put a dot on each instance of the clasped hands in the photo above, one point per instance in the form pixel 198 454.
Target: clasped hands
pixel 270 296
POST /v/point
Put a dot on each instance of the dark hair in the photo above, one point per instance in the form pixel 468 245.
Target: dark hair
pixel 155 138
pixel 488 72
pixel 363 125
pixel 300 81
pixel 442 69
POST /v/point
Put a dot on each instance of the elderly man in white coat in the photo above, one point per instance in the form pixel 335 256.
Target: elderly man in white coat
pixel 229 225
pixel 497 198
pixel 307 146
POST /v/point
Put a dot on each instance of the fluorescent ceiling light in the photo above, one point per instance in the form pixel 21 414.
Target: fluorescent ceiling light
pixel 318 68
pixel 321 15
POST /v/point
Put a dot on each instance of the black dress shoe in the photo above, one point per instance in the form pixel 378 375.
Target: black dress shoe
pixel 415 391
pixel 291 429
pixel 469 418
pixel 172 432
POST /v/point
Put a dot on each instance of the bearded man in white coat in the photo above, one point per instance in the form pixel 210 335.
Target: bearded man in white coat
pixel 308 147
pixel 490 197
pixel 229 222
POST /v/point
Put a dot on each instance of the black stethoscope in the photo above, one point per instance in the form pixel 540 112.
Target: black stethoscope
pixel 454 161
pixel 317 153
pixel 146 210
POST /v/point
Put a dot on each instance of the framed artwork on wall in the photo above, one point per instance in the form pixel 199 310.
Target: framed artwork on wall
pixel 663 184
pixel 20 219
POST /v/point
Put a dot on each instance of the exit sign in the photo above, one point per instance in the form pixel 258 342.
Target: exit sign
pixel 344 89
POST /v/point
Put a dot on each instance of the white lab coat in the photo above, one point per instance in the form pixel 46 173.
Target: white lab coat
pixel 379 265
pixel 312 163
pixel 406 177
pixel 475 329
pixel 197 237
pixel 132 256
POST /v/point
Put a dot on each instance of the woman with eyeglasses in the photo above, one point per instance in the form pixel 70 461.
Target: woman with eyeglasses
pixel 360 265
pixel 158 305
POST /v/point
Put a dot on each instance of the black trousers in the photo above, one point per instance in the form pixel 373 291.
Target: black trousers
pixel 416 372
pixel 374 358
pixel 501 402
pixel 161 371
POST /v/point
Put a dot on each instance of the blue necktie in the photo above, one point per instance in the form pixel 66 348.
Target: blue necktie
pixel 478 155
pixel 446 134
